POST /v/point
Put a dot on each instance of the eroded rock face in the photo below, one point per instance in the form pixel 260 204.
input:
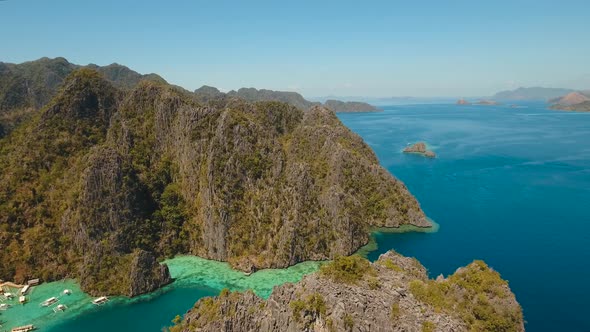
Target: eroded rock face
pixel 147 274
pixel 392 294
pixel 110 177
pixel 420 148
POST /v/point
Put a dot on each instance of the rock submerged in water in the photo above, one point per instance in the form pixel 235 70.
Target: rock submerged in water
pixel 420 148
pixel 351 294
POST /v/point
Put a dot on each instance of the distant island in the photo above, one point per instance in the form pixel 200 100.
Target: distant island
pixel 463 102
pixel 487 102
pixel 531 94
pixel 420 148
pixel 573 101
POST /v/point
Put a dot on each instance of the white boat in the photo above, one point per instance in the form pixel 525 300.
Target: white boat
pixel 4 306
pixel 22 299
pixel 33 282
pixel 8 295
pixel 59 307
pixel 67 292
pixel 49 301
pixel 25 290
pixel 25 328
pixel 100 301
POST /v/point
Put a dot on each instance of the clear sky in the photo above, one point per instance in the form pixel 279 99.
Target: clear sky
pixel 345 48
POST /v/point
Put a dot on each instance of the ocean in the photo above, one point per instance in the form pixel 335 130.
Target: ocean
pixel 510 186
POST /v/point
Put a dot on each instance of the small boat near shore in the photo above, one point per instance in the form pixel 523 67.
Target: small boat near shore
pixel 25 328
pixel 60 307
pixel 67 292
pixel 49 301
pixel 4 306
pixel 22 299
pixel 100 301
pixel 25 289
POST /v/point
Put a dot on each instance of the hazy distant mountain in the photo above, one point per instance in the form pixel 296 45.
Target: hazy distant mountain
pixel 210 94
pixel 349 106
pixel 534 93
pixel 387 101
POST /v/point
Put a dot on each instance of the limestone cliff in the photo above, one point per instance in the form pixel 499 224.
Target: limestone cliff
pixel 28 86
pixel 351 294
pixel 103 181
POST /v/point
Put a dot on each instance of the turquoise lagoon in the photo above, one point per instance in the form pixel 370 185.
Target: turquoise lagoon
pixel 194 278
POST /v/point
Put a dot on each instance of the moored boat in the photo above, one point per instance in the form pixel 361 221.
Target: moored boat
pixel 60 307
pixel 25 328
pixel 22 299
pixel 25 289
pixel 100 301
pixel 49 301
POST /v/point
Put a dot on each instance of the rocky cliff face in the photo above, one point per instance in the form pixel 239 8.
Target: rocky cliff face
pixel 26 87
pixel 102 182
pixel 350 294
pixel 209 94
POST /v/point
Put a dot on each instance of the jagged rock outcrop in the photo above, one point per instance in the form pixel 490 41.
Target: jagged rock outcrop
pixel 392 294
pixel 420 148
pixel 254 95
pixel 146 274
pixel 103 180
pixel 26 87
pixel 210 94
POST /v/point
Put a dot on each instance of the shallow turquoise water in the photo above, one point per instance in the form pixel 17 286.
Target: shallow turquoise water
pixel 509 186
pixel 194 278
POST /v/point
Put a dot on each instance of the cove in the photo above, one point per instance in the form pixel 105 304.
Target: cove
pixel 194 278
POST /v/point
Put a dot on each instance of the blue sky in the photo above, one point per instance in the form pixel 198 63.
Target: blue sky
pixel 346 48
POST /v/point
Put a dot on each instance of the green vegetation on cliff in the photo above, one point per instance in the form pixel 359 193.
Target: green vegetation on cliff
pixel 102 181
pixel 474 298
pixel 26 87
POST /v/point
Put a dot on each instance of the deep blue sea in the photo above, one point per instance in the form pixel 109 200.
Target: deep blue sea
pixel 510 186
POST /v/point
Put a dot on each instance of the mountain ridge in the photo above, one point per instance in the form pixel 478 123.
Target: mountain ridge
pixel 103 181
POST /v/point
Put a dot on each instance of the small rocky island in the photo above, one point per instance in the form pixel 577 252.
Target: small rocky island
pixel 487 102
pixel 575 101
pixel 420 148
pixel 463 102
